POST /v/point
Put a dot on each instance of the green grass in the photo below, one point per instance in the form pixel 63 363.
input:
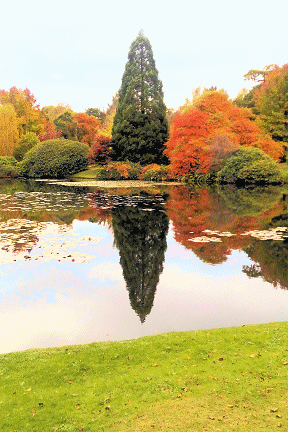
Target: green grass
pixel 232 379
pixel 90 173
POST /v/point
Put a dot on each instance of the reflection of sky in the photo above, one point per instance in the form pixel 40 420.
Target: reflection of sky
pixel 56 303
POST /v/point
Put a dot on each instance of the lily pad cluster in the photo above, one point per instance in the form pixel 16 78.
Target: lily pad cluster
pixel 278 233
pixel 25 240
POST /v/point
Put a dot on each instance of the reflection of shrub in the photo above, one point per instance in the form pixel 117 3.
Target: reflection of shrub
pixel 8 166
pixel 249 165
pixel 55 158
pixel 155 172
pixel 249 201
pixel 120 171
pixel 25 143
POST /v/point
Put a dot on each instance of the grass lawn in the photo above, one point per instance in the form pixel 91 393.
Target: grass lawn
pixel 232 379
pixel 90 173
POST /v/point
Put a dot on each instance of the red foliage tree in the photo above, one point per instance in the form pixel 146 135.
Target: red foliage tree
pixel 100 151
pixel 50 132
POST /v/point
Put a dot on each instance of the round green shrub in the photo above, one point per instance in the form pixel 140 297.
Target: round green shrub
pixel 249 165
pixel 56 158
pixel 26 142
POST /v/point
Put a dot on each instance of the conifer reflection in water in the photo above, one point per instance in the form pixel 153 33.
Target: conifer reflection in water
pixel 140 235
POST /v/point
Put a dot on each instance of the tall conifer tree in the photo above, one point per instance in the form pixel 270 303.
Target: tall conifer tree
pixel 140 127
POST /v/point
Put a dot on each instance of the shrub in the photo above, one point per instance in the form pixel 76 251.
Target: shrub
pixel 120 171
pixel 55 158
pixel 8 166
pixel 155 172
pixel 26 142
pixel 249 165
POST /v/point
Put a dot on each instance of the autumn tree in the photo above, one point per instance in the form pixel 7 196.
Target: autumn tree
pixel 100 151
pixel 30 118
pixel 140 127
pixel 50 132
pixel 88 126
pixel 9 133
pixel 196 128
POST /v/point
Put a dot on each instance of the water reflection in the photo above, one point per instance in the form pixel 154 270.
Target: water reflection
pixel 75 238
pixel 140 232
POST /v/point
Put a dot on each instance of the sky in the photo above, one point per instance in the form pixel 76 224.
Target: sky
pixel 75 52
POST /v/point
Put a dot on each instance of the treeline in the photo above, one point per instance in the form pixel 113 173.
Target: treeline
pixel 211 136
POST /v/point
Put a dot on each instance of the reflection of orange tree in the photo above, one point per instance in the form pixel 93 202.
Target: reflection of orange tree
pixel 194 211
pixel 96 214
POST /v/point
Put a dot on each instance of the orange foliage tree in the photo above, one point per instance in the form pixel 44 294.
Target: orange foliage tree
pixel 88 127
pixel 211 115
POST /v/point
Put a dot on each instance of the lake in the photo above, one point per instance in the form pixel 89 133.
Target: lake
pixel 80 264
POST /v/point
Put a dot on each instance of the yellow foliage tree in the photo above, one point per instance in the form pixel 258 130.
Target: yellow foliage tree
pixel 9 134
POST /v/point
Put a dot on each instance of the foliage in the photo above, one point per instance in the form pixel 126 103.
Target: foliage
pixel 51 112
pixel 100 151
pixel 272 103
pixel 55 158
pixel 258 75
pixel 249 165
pixel 88 127
pixel 8 167
pixel 9 134
pixel 68 125
pixel 140 127
pixel 26 142
pixel 246 99
pixel 155 172
pixel 50 132
pixel 120 171
pixel 96 112
pixel 27 111
pixel 212 119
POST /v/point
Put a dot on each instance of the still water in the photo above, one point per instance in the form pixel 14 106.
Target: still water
pixel 83 264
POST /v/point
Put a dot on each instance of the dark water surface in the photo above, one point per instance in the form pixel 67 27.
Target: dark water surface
pixel 84 264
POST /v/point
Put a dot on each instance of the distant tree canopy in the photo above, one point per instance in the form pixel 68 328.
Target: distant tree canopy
pixel 140 127
pixel 67 124
pixel 272 103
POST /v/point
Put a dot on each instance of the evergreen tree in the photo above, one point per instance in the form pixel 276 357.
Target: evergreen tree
pixel 140 127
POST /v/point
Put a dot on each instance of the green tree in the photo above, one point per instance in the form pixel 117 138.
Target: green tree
pixel 140 127
pixel 246 99
pixel 26 142
pixel 272 103
pixel 68 125
pixel 140 236
pixel 96 112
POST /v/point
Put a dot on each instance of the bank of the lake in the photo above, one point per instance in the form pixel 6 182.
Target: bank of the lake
pixel 231 379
